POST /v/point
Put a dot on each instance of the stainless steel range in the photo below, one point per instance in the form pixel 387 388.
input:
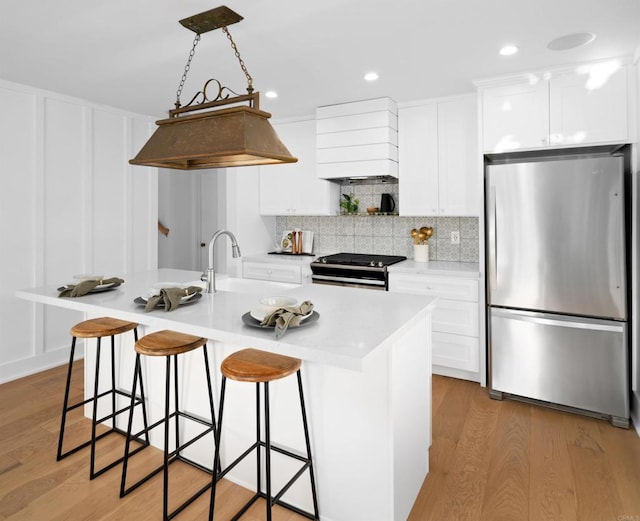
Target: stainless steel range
pixel 354 269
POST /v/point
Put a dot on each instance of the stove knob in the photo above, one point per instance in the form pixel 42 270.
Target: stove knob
pixel 372 264
pixel 323 260
pixel 380 264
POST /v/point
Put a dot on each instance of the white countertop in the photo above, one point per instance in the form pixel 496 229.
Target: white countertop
pixel 441 268
pixel 353 322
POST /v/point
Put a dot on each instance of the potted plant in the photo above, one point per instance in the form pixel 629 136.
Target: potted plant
pixel 350 203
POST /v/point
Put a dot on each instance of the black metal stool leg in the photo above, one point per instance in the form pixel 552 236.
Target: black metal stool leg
pixel 258 441
pixel 308 445
pixel 165 461
pixel 65 405
pixel 267 456
pixel 113 382
pixel 137 374
pixel 216 455
pixel 142 398
pixel 211 405
pixel 94 419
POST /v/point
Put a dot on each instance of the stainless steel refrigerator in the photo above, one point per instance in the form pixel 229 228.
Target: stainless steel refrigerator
pixel 556 280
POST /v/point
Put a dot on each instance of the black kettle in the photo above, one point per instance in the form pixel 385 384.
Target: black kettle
pixel 387 204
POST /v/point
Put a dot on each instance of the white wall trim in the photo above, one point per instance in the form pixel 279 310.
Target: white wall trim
pixel 63 138
pixel 35 91
pixel 42 362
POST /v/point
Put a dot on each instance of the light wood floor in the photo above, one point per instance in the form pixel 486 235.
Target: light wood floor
pixel 489 461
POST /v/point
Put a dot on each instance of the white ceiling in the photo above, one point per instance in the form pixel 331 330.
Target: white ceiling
pixel 131 53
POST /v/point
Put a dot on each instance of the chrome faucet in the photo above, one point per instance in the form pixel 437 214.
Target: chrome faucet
pixel 210 276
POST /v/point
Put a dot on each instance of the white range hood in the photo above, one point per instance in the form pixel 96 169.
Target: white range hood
pixel 357 140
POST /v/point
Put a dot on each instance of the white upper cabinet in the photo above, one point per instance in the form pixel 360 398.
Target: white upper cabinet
pixel 588 108
pixel 584 106
pixel 438 159
pixel 515 116
pixel 293 188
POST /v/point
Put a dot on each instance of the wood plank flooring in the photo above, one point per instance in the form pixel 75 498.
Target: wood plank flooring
pixel 511 461
pixel 490 461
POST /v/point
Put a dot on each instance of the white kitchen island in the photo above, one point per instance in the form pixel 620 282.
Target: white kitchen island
pixel 366 371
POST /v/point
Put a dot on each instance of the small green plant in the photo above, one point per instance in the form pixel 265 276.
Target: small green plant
pixel 350 204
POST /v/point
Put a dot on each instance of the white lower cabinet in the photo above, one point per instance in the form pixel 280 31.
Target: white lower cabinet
pixel 277 272
pixel 455 320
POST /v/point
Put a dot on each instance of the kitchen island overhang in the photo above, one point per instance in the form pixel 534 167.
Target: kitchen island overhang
pixel 367 373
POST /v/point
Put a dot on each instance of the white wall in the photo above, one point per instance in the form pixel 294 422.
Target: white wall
pixel 70 203
pixel 178 210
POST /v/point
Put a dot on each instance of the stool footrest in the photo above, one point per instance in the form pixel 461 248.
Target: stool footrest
pixel 99 437
pixel 276 498
pixel 126 394
pixel 174 455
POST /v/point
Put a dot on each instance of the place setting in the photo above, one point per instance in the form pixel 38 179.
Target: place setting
pixel 87 284
pixel 280 314
pixel 169 296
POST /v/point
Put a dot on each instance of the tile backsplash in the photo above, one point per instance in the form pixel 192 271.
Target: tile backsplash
pixel 386 235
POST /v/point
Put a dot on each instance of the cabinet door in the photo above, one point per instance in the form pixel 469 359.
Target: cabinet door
pixel 456 317
pixel 515 116
pixel 418 160
pixel 293 188
pixel 279 184
pixel 589 106
pixel 452 288
pixel 459 179
pixel 273 272
pixel 456 351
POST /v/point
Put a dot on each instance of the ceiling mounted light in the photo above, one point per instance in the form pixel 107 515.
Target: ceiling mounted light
pixel 271 94
pixel 570 41
pixel 508 50
pixel 201 134
pixel 371 76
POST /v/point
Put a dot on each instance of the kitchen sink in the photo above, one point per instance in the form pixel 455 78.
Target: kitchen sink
pixel 251 286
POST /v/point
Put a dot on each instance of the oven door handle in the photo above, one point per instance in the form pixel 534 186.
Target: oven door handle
pixel 353 280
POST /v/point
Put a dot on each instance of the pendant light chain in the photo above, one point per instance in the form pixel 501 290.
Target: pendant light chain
pixel 186 70
pixel 242 65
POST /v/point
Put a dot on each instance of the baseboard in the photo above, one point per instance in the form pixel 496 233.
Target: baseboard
pixel 455 373
pixel 35 364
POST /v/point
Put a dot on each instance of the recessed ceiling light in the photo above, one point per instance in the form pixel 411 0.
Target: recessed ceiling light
pixel 371 76
pixel 271 94
pixel 570 41
pixel 508 50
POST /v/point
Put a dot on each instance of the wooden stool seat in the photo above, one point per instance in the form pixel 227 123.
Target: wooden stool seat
pixel 171 344
pixel 167 343
pixel 100 327
pixel 252 365
pixel 97 328
pixel 260 368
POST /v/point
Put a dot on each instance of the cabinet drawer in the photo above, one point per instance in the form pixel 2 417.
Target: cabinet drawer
pixel 456 351
pixel 457 317
pixel 444 287
pixel 274 272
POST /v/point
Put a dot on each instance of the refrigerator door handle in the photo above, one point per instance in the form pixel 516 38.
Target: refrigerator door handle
pixel 493 240
pixel 536 318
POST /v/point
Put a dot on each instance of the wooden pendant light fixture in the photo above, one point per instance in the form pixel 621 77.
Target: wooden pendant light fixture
pixel 214 131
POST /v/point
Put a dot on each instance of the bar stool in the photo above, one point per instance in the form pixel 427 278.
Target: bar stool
pixel 252 365
pixel 170 344
pixel 98 328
